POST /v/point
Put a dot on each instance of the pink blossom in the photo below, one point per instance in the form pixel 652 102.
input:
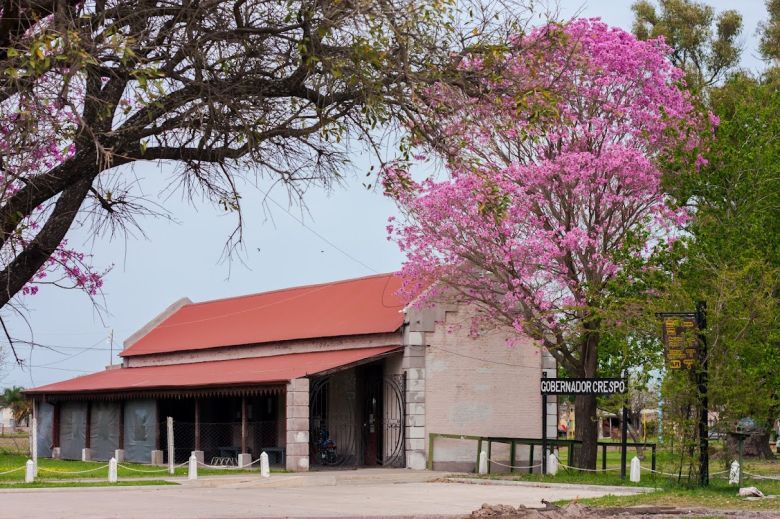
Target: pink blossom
pixel 538 231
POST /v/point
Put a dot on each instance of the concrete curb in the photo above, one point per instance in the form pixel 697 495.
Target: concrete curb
pixel 539 484
pixel 32 490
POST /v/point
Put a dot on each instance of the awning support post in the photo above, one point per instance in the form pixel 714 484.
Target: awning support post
pixel 197 424
pixel 243 425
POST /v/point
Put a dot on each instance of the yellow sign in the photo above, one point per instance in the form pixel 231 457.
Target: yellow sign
pixel 680 340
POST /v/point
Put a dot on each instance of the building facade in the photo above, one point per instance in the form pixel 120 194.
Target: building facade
pixel 338 374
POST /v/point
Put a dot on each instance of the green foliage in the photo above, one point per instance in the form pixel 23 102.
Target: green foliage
pixel 733 256
pixel 770 31
pixel 704 44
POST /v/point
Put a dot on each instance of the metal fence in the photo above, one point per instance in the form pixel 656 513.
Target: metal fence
pixel 16 443
pixel 221 442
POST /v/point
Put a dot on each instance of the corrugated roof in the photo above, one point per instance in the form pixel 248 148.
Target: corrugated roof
pixel 352 307
pixel 255 370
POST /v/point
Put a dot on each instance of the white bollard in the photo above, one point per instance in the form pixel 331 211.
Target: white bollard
pixel 552 464
pixel 29 472
pixel 483 462
pixel 192 473
pixel 636 470
pixel 112 470
pixel 734 473
pixel 171 451
pixel 34 442
pixel 265 469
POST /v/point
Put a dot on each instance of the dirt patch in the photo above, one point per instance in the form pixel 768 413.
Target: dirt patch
pixel 576 511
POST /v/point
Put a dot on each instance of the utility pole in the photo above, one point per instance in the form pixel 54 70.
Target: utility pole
pixel 111 347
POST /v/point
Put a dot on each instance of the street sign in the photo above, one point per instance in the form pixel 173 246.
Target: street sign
pixel 681 340
pixel 583 386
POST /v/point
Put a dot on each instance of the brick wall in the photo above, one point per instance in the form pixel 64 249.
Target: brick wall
pixel 479 386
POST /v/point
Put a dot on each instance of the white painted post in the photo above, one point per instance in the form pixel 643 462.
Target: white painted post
pixel 552 464
pixel 483 462
pixel 112 470
pixel 265 469
pixel 734 473
pixel 29 472
pixel 636 470
pixel 192 473
pixel 171 455
pixel 34 442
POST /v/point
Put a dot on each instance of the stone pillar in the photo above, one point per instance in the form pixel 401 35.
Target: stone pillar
pixel 244 460
pixel 86 454
pixel 119 455
pixel 199 456
pixel 414 367
pixel 297 412
pixel 157 457
pixel 550 367
pixel 56 453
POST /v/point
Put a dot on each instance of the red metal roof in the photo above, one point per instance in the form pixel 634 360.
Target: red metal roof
pixel 247 371
pixel 351 307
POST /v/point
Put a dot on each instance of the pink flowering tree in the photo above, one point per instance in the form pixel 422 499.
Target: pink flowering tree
pixel 554 187
pixel 36 129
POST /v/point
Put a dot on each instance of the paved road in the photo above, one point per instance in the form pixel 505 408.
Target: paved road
pixel 252 497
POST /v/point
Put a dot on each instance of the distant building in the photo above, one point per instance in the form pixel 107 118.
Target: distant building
pixel 6 419
pixel 7 423
pixel 333 374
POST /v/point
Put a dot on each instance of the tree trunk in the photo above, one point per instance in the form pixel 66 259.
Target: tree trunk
pixel 585 418
pixel 586 430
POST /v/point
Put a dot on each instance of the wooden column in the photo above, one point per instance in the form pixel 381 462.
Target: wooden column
pixel 197 424
pixel 243 424
pixel 121 443
pixel 88 428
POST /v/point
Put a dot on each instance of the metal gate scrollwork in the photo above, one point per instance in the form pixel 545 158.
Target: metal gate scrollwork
pixel 332 428
pixel 353 423
pixel 394 421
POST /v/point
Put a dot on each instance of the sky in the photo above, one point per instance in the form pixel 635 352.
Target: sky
pixel 341 234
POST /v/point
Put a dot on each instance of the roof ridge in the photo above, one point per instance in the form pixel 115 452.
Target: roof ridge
pixel 288 289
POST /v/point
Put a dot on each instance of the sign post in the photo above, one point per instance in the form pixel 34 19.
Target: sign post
pixel 686 348
pixel 701 379
pixel 582 386
pixel 623 442
pixel 544 426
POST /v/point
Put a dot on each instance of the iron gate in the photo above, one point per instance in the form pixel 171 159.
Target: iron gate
pixel 393 421
pixel 343 430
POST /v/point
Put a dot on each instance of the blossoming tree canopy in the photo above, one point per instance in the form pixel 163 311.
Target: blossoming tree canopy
pixel 34 139
pixel 554 180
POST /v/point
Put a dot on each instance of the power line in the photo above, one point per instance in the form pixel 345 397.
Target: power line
pixel 490 361
pixel 62 369
pixel 55 347
pixel 323 238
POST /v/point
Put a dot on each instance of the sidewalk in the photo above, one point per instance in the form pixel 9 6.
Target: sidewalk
pixel 361 493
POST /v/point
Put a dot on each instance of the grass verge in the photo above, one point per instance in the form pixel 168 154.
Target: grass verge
pixel 671 492
pixel 716 497
pixel 49 469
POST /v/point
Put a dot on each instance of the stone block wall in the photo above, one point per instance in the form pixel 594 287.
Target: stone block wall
pixel 414 365
pixel 481 385
pixel 297 413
